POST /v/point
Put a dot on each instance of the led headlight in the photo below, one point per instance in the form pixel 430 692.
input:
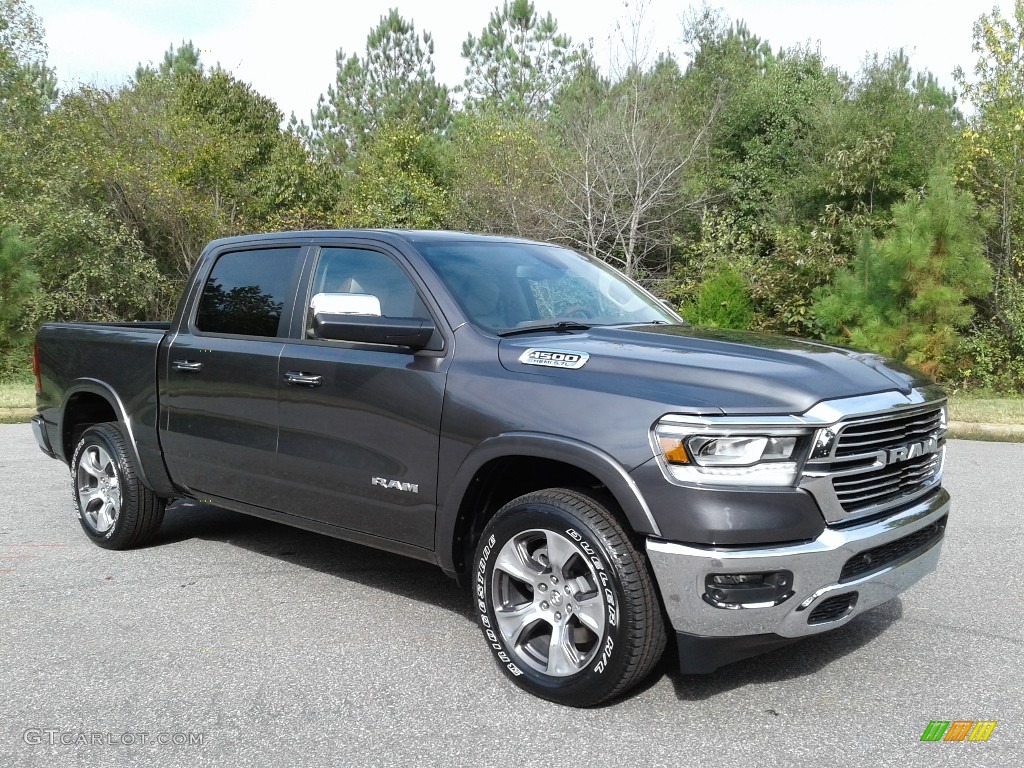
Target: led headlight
pixel 730 454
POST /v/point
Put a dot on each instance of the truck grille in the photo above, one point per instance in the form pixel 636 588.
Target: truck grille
pixel 867 466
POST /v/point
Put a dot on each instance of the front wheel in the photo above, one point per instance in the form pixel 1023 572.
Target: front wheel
pixel 565 600
pixel 115 509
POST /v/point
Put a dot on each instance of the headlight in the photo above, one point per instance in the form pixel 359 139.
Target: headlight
pixel 741 454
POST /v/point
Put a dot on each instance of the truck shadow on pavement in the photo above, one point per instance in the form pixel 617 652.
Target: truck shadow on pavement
pixel 404 576
pixel 426 583
pixel 802 658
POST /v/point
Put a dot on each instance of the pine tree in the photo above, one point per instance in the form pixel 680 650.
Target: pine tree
pixel 392 83
pixel 18 284
pixel 519 61
pixel 906 295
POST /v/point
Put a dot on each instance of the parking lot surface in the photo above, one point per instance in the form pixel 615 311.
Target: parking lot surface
pixel 232 641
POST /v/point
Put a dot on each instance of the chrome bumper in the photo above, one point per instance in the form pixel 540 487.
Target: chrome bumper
pixel 681 572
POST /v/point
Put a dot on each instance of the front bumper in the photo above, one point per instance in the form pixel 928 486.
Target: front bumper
pixel 682 571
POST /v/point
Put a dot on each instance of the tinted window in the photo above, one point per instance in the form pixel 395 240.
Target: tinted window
pixel 247 292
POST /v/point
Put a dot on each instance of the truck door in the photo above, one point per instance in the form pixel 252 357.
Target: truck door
pixel 218 404
pixel 360 423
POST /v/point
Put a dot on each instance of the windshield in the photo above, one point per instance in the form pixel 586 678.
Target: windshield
pixel 502 286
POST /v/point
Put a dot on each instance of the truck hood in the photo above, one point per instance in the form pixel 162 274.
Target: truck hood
pixel 709 371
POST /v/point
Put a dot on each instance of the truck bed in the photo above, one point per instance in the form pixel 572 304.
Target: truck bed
pixel 112 360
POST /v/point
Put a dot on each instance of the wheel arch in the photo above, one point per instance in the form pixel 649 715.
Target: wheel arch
pixel 88 402
pixel 492 475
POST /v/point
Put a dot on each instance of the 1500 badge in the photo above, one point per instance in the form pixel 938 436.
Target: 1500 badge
pixel 551 358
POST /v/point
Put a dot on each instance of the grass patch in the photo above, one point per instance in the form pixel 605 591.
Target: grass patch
pixel 993 434
pixel 17 396
pixel 986 410
pixel 16 415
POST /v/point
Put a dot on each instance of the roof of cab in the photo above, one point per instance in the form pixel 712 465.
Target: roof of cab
pixel 407 235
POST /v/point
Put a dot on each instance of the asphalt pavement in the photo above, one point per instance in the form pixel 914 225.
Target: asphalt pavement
pixel 232 641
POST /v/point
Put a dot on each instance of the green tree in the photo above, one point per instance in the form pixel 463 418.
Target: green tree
pixel 27 93
pixel 889 133
pixel 393 82
pixel 183 60
pixel 500 169
pixel 722 301
pixel 519 61
pixel 18 286
pixel 399 182
pixel 992 145
pixel 907 294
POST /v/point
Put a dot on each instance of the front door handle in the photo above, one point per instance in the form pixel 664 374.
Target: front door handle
pixel 190 366
pixel 303 379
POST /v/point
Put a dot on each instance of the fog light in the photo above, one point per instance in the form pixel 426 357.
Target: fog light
pixel 748 590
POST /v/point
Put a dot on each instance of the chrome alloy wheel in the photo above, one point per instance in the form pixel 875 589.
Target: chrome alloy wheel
pixel 548 602
pixel 99 492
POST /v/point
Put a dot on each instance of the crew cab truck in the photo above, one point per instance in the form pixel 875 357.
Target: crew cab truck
pixel 598 472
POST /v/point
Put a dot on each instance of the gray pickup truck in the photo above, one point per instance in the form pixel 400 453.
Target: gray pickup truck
pixel 598 473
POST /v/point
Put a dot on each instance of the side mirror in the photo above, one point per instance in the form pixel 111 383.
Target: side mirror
pixel 345 304
pixel 413 332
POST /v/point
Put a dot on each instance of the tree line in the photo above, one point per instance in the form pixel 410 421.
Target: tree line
pixel 755 188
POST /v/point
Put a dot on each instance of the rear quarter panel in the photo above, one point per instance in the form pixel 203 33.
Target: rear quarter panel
pixel 117 362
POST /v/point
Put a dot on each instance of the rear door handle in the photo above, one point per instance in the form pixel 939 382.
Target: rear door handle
pixel 190 366
pixel 303 379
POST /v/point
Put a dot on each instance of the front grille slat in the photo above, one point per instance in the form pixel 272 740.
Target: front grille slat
pixel 897 431
pixel 878 435
pixel 880 488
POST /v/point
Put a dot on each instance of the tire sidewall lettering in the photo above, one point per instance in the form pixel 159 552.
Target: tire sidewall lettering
pixel 597 559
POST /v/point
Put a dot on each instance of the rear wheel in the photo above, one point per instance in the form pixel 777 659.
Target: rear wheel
pixel 115 509
pixel 565 600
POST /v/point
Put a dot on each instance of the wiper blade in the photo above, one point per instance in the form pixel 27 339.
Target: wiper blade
pixel 635 323
pixel 562 326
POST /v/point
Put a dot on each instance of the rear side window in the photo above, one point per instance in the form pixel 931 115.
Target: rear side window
pixel 247 292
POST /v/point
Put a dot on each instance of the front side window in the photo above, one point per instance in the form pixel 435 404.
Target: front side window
pixel 502 286
pixel 365 275
pixel 247 292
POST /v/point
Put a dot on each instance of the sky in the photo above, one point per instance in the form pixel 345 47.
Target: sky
pixel 286 50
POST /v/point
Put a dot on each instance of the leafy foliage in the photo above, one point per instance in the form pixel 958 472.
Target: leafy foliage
pixel 722 302
pixel 18 286
pixel 806 199
pixel 906 295
pixel 499 167
pixel 992 356
pixel 399 183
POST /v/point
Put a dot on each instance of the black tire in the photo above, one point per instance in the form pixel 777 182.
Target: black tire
pixel 115 509
pixel 580 620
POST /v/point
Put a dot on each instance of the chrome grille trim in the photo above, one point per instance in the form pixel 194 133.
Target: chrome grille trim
pixel 862 466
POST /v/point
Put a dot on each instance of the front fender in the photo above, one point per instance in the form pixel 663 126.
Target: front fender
pixel 543 446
